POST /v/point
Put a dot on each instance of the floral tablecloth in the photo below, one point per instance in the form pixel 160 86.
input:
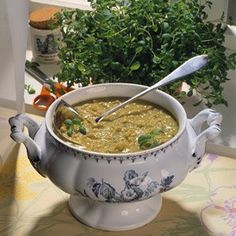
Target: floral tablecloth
pixel 204 204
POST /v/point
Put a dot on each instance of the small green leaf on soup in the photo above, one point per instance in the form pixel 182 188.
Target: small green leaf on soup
pixel 68 122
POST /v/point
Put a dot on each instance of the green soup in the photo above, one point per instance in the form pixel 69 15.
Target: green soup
pixel 137 126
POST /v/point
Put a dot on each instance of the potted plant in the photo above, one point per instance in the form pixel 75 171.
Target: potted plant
pixel 139 41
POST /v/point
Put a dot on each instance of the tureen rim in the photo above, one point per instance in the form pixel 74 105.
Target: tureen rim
pixel 51 109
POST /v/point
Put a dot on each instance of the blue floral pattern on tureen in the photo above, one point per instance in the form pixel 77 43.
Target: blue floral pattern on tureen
pixel 137 187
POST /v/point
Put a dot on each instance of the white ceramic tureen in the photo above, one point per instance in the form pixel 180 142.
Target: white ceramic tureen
pixel 116 191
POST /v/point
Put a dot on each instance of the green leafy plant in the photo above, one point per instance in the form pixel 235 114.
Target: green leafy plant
pixel 140 41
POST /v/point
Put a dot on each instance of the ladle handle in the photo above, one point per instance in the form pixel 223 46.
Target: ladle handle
pixel 187 68
pixel 190 66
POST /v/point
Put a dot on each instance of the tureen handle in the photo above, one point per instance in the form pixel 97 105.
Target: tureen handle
pixel 213 119
pixel 17 124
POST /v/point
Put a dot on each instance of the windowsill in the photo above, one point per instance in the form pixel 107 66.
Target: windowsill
pixel 81 4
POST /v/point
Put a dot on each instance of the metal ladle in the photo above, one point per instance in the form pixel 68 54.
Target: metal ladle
pixel 188 67
pixel 60 115
pixel 69 107
pixel 62 112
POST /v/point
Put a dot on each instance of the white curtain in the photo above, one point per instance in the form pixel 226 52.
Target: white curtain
pixel 13 45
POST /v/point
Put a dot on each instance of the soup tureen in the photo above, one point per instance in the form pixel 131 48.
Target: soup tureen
pixel 116 191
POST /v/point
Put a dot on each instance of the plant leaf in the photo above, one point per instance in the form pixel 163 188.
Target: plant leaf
pixel 135 66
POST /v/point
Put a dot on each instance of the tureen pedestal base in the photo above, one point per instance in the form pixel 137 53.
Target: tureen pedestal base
pixel 115 216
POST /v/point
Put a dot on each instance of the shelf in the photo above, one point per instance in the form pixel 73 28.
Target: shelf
pixel 81 4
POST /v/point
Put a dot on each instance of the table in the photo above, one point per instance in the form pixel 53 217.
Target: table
pixel 204 204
